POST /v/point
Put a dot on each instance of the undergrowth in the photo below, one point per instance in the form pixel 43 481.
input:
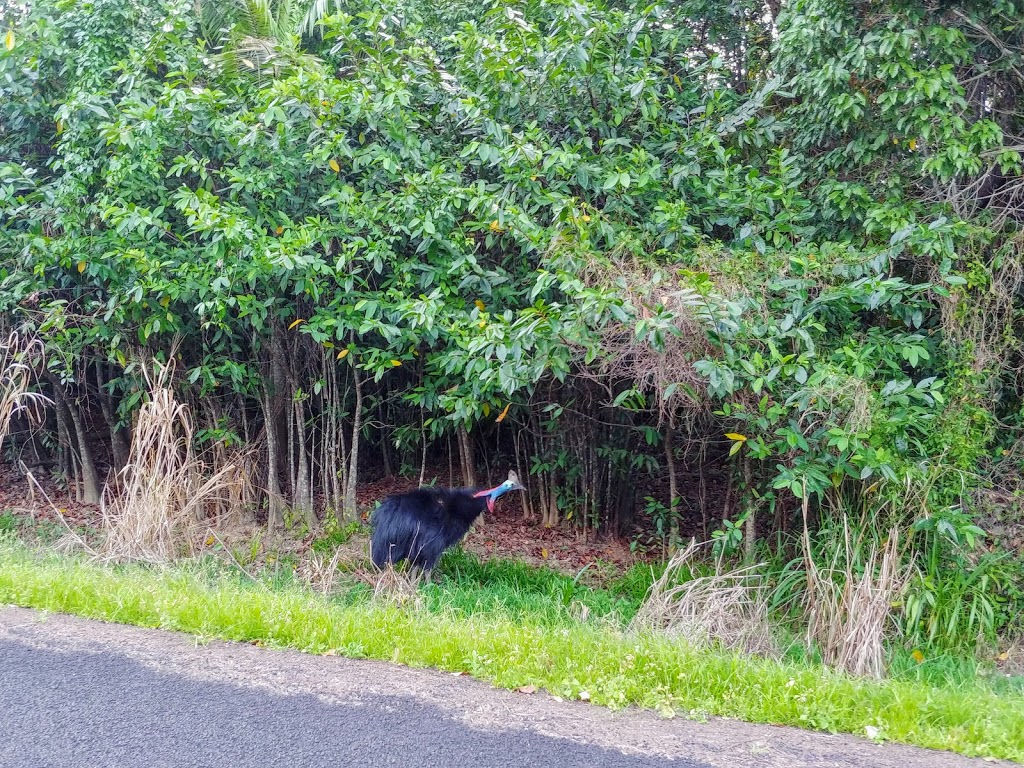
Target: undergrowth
pixel 510 625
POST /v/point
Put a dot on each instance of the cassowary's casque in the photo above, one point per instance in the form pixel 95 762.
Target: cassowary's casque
pixel 420 525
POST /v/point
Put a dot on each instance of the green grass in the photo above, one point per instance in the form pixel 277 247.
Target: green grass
pixel 517 643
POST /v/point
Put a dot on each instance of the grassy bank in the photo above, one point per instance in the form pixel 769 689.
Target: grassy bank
pixel 591 659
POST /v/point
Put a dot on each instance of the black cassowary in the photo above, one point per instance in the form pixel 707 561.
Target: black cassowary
pixel 418 526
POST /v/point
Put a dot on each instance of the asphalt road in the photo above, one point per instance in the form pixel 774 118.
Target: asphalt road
pixel 89 709
pixel 90 695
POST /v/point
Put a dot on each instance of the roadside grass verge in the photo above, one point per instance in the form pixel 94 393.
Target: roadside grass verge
pixel 591 659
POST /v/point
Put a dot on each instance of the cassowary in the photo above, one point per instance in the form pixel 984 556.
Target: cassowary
pixel 420 525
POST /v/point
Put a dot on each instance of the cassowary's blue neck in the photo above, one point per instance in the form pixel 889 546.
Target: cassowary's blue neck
pixel 493 493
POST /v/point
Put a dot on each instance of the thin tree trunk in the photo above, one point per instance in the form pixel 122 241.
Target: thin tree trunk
pixel 673 485
pixel 90 493
pixel 466 456
pixel 65 464
pixel 524 478
pixel 423 456
pixel 750 533
pixel 351 511
pixel 90 476
pixel 118 445
pixel 303 482
pixel 451 468
pixel 273 484
pixel 290 461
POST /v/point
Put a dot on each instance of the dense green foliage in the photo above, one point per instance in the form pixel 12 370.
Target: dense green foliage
pixel 772 249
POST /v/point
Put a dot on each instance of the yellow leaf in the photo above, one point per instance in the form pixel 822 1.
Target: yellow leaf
pixel 9 40
pixel 300 320
pixel 479 305
pixel 913 144
pixel 533 178
pixel 60 127
pixel 342 353
pixel 1003 656
pixel 482 323
pixel 495 226
pixel 504 413
pixel 165 301
pixel 81 267
pixel 209 540
pixel 362 138
pixel 677 80
pixel 735 436
pixel 334 165
pixel 396 363
pixel 279 230
pixel 544 552
pixel 486 409
pixel 585 217
pixel 917 656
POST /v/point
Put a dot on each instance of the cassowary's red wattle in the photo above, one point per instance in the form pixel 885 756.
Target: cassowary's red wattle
pixel 493 493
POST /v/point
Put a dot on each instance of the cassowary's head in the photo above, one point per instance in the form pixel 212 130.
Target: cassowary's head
pixel 512 484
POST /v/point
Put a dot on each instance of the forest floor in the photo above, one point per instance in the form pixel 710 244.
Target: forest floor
pixel 503 534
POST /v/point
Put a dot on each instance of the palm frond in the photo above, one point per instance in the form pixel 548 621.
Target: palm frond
pixel 317 11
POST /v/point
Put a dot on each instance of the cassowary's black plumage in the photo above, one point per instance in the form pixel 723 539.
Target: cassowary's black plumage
pixel 420 525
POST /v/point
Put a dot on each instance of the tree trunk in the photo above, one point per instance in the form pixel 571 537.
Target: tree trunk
pixel 466 458
pixel 351 510
pixel 423 456
pixel 524 478
pixel 750 529
pixel 298 455
pixel 303 482
pixel 118 444
pixel 673 485
pixel 90 488
pixel 90 476
pixel 65 464
pixel 273 484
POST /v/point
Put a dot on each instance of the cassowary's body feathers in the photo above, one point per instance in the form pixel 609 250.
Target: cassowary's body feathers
pixel 420 525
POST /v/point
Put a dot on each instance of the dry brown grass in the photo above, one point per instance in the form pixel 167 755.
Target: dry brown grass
pixel 727 608
pixel 15 378
pixel 321 572
pixel 848 608
pixel 400 588
pixel 152 512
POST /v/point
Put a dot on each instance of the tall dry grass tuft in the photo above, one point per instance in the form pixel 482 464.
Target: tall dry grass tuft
pixel 231 505
pixel 152 512
pixel 15 378
pixel 400 588
pixel 321 571
pixel 729 608
pixel 848 608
